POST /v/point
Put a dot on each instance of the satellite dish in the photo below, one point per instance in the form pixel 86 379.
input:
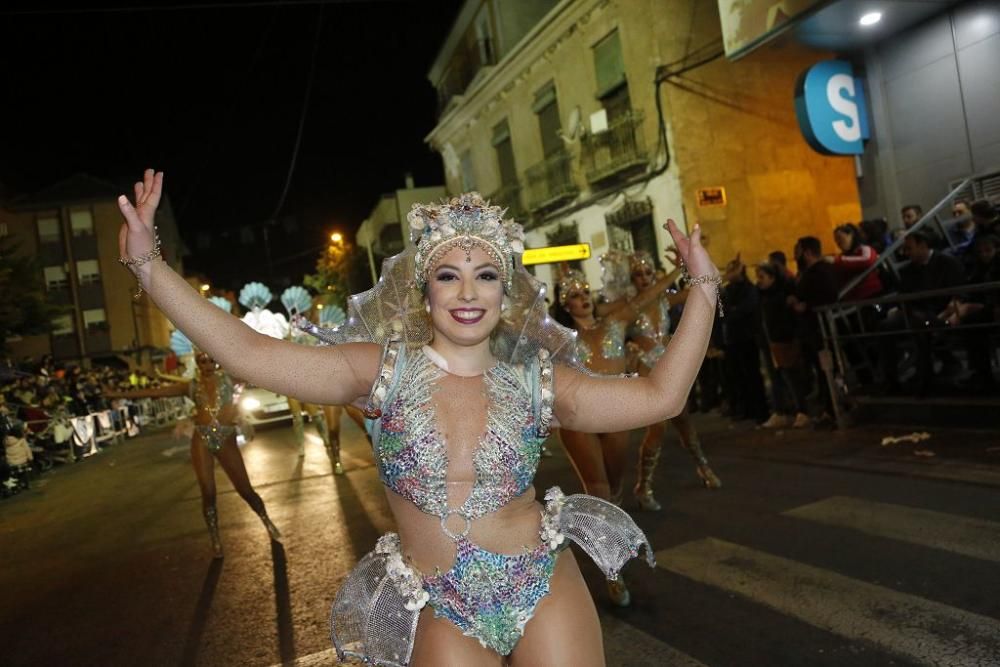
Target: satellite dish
pixel 452 163
pixel 573 123
pixel 572 127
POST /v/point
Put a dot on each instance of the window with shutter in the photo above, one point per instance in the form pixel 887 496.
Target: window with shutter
pixel 505 153
pixel 546 107
pixel 609 64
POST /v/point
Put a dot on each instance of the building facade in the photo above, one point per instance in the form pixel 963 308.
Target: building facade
pixel 384 232
pixel 72 229
pixel 605 118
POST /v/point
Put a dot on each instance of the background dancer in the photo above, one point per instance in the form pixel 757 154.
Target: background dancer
pixel 599 458
pixel 213 436
pixel 651 332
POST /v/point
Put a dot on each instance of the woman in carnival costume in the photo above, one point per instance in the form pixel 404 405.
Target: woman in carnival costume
pixel 462 374
pixel 213 436
pixel 599 458
pixel 651 332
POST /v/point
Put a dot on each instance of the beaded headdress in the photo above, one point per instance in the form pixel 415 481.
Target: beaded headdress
pixel 569 281
pixel 394 308
pixel 465 222
pixel 640 259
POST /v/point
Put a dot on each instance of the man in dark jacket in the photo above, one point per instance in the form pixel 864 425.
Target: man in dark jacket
pixel 739 333
pixel 928 270
pixel 816 285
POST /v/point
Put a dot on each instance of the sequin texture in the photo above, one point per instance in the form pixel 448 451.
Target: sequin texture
pixel 612 344
pixel 412 456
pixel 643 328
pixel 492 596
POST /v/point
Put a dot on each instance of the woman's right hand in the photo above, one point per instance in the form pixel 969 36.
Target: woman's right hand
pixel 137 234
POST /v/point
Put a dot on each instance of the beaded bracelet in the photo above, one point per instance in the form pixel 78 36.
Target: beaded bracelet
pixel 706 280
pixel 133 263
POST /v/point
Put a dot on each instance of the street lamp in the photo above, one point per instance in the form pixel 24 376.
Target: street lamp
pixel 205 287
pixel 336 237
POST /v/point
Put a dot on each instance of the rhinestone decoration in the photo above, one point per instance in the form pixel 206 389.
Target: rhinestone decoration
pixel 466 221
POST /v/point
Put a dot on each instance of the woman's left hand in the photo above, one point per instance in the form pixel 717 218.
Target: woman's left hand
pixel 692 253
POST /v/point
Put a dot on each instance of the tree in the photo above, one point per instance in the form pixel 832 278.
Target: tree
pixel 332 278
pixel 24 310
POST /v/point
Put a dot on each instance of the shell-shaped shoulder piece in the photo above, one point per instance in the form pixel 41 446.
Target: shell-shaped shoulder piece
pixel 332 315
pixel 180 343
pixel 222 302
pixel 296 300
pixel 255 295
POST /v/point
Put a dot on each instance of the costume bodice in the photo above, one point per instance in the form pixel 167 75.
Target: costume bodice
pixel 643 326
pixel 224 393
pixel 412 456
pixel 612 344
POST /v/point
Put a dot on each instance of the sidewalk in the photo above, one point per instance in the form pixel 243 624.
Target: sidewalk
pixel 956 454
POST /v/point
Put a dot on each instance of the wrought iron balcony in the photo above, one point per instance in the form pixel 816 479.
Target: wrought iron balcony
pixel 616 151
pixel 550 182
pixel 509 197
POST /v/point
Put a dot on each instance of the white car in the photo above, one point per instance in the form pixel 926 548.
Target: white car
pixel 261 406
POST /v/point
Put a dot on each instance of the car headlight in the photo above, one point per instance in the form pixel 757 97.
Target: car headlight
pixel 250 403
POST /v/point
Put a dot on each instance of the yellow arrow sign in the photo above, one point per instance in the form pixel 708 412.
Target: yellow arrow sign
pixel 556 253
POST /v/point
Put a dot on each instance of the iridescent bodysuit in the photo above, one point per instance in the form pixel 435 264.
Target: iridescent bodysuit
pixel 660 335
pixel 489 596
pixel 214 433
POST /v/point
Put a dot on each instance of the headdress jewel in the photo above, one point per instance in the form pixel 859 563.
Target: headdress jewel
pixel 465 222
pixel 569 281
pixel 640 259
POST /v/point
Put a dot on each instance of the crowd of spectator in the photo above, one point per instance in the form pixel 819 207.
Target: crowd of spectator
pixel 37 399
pixel 765 361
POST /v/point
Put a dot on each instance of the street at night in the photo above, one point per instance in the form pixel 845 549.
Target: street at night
pixel 500 333
pixel 820 549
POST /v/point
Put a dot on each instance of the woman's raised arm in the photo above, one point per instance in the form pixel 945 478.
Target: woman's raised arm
pixel 606 404
pixel 325 375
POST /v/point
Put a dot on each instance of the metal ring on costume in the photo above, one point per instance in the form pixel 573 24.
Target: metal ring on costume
pixel 447 531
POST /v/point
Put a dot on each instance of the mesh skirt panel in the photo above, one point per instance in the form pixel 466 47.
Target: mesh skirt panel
pixel 606 532
pixel 369 620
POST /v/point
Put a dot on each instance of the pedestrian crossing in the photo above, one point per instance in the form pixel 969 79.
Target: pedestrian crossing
pixel 937 530
pixel 922 630
pixel 910 627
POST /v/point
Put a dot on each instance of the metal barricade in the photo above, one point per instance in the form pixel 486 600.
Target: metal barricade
pixel 857 324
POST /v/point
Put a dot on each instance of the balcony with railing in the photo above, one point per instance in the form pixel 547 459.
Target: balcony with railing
pixel 509 197
pixel 463 68
pixel 550 182
pixel 617 151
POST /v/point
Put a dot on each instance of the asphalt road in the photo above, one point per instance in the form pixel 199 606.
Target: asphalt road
pixel 821 549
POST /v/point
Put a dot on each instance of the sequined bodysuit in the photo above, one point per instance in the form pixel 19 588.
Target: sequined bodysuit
pixel 412 461
pixel 214 433
pixel 489 596
pixel 612 344
pixel 660 335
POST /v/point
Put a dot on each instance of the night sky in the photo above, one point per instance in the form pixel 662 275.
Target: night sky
pixel 213 94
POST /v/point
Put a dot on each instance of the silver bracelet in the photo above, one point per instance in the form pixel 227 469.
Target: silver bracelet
pixel 133 263
pixel 706 280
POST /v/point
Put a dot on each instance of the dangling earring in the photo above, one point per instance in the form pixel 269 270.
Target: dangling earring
pixel 427 307
pixel 505 305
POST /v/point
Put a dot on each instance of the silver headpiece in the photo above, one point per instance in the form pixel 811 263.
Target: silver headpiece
pixel 394 308
pixel 465 222
pixel 569 281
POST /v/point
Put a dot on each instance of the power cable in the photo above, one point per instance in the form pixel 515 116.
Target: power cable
pixel 302 116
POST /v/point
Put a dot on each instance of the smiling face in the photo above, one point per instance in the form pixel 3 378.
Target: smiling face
pixel 464 292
